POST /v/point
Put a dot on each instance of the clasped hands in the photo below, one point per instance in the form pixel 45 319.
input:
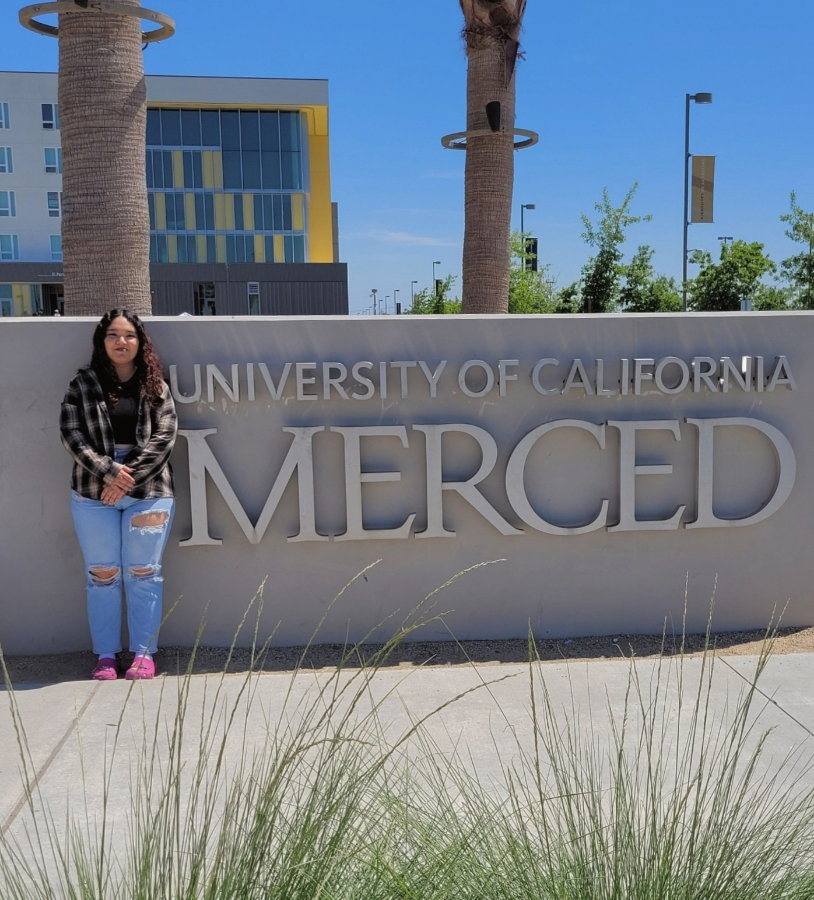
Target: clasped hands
pixel 122 484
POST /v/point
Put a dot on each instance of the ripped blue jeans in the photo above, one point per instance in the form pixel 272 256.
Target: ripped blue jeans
pixel 128 537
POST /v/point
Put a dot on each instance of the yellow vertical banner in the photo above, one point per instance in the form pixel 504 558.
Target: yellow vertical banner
pixel 229 201
pixel 703 189
pixel 259 248
pixel 220 248
pixel 200 240
pixel 172 248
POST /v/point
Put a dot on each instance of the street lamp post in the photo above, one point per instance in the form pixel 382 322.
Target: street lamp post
pixel 395 304
pixel 412 294
pixel 697 98
pixel 725 238
pixel 436 262
pixel 373 292
pixel 524 206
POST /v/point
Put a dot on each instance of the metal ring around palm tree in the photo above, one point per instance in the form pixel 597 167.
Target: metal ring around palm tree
pixel 28 13
pixel 458 140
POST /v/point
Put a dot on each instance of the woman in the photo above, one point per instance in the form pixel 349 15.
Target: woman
pixel 118 422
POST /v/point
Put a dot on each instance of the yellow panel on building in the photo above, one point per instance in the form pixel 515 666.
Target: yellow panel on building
pixel 189 210
pixel 220 247
pixel 297 212
pixel 229 202
pixel 21 295
pixel 259 248
pixel 279 248
pixel 208 164
pixel 248 212
pixel 217 162
pixel 172 248
pixel 320 219
pixel 200 241
pixel 220 214
pixel 160 213
pixel 178 168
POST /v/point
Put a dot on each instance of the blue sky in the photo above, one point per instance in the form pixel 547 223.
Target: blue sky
pixel 603 84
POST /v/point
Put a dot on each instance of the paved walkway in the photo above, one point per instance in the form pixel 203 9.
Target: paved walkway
pixel 69 728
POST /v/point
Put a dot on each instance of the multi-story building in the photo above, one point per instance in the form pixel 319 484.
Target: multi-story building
pixel 238 181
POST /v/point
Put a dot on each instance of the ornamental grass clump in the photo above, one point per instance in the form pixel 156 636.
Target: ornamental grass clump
pixel 655 793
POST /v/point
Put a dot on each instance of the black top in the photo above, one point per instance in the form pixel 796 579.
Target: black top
pixel 124 412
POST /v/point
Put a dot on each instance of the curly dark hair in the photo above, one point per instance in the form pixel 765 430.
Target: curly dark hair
pixel 148 367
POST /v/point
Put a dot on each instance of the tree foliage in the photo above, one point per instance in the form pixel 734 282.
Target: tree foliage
pixel 602 273
pixel 529 292
pixel 798 270
pixel 737 276
pixel 427 302
pixel 644 290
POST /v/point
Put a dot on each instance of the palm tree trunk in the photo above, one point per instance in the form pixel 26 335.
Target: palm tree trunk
pixel 103 115
pixel 491 31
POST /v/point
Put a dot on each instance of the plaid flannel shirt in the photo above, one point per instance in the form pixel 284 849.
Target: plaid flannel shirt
pixel 84 424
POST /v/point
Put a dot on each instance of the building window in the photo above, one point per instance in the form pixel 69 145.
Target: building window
pixel 8 205
pixel 56 247
pixel 9 247
pixel 50 116
pixel 53 160
pixel 6 300
pixel 205 299
pixel 4 120
pixel 5 160
pixel 254 298
pixel 54 204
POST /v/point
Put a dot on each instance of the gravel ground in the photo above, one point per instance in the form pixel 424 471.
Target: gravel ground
pixel 173 660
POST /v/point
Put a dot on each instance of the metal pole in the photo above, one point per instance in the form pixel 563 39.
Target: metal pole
pixel 395 305
pixel 412 294
pixel 522 220
pixel 686 198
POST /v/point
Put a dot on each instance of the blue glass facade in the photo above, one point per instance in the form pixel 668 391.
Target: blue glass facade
pixel 226 185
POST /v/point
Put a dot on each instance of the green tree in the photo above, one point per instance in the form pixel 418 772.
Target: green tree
pixel 426 302
pixel 737 277
pixel 643 290
pixel 601 274
pixel 529 292
pixel 798 270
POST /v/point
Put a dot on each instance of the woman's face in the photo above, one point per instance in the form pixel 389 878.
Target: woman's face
pixel 121 342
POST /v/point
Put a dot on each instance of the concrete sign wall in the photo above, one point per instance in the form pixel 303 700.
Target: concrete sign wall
pixel 607 461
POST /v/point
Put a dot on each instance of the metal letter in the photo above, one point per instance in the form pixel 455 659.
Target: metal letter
pixel 490 377
pixel 436 484
pixel 355 477
pixel 628 470
pixel 515 476
pixel 659 375
pixel 213 374
pixel 786 472
pixel 502 377
pixel 432 377
pixel 176 392
pixel 535 376
pixel 577 369
pixel 300 456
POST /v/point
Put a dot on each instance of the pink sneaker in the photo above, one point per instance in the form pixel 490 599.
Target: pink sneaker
pixel 106 669
pixel 142 668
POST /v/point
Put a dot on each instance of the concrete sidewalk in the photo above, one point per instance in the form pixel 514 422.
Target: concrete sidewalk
pixel 69 727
